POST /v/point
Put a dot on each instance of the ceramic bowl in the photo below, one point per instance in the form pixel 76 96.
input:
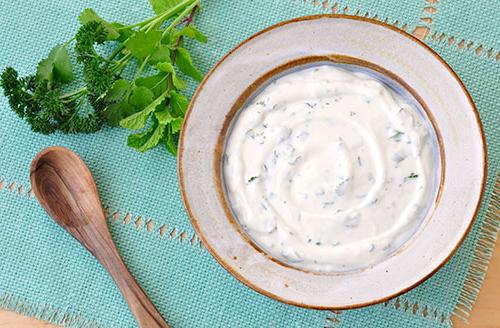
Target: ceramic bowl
pixel 339 39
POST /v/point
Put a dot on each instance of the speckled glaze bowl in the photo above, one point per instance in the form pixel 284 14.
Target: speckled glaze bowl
pixel 339 39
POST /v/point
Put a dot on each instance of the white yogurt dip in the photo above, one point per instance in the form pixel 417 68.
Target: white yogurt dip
pixel 328 169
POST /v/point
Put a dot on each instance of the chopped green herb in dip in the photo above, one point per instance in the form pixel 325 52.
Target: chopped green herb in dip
pixel 252 178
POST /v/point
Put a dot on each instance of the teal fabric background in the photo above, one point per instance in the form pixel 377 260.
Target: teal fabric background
pixel 46 274
pixel 475 21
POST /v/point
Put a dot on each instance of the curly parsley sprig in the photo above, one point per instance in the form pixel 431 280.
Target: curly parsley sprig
pixel 151 101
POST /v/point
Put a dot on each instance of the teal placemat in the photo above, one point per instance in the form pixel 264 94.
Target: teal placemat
pixel 45 273
pixel 474 23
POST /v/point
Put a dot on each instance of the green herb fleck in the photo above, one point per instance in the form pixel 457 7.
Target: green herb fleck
pixel 397 135
pixel 412 176
pixel 252 178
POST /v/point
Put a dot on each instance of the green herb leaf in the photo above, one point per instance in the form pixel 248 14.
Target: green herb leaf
pixel 57 66
pixel 166 67
pixel 117 91
pixel 147 140
pixel 115 112
pixel 160 6
pixel 192 33
pixel 163 116
pixel 185 64
pixel 138 120
pixel 169 38
pixel 97 75
pixel 169 68
pixel 160 54
pixel 179 103
pixel 170 141
pixel 176 124
pixel 252 178
pixel 178 83
pixel 124 32
pixel 45 70
pixel 16 90
pixel 143 44
pixel 89 15
pixel 156 83
pixel 141 97
pixel 63 69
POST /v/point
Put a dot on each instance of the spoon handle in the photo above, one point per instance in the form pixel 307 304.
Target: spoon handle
pixel 142 308
pixel 97 239
pixel 92 232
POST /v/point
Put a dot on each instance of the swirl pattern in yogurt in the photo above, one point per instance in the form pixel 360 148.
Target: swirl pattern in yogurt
pixel 328 169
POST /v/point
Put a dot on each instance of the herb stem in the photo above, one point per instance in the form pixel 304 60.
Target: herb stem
pixel 159 82
pixel 152 22
pixel 141 68
pixel 158 20
pixel 177 44
pixel 189 9
pixel 116 51
pixel 168 13
pixel 71 40
pixel 138 73
pixel 78 93
pixel 121 63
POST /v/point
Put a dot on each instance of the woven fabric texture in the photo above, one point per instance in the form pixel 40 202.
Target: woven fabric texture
pixel 46 274
pixel 475 22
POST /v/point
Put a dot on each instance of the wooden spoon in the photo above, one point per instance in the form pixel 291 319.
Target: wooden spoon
pixel 65 188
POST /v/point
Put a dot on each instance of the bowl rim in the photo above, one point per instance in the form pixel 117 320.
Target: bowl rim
pixel 264 292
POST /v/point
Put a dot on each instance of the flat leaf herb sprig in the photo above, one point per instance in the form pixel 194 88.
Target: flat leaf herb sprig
pixel 151 101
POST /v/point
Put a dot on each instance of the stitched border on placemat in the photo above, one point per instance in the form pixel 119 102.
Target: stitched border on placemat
pixel 430 9
pixel 333 319
pixel 417 308
pixel 117 216
pixel 334 7
pixel 479 49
